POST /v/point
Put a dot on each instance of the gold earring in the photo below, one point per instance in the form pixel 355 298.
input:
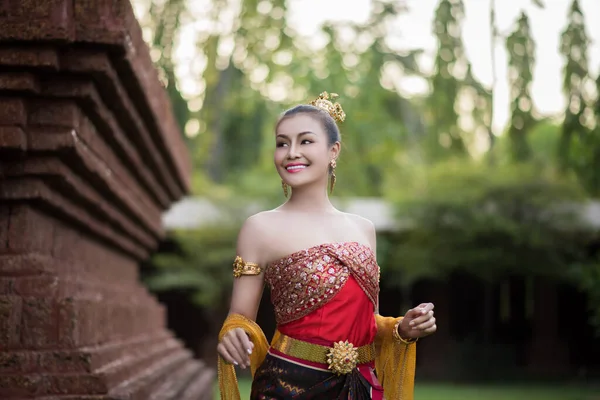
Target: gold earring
pixel 332 165
pixel 285 188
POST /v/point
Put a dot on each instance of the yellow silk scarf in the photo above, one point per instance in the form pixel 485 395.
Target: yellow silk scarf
pixel 395 361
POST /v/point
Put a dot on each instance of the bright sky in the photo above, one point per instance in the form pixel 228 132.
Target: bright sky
pixel 413 31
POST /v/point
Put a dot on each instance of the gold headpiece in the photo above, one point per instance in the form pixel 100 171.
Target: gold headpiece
pixel 335 110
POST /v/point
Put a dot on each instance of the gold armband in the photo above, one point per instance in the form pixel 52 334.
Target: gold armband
pixel 241 267
pixel 396 334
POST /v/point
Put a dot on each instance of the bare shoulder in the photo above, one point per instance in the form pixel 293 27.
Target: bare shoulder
pixel 251 238
pixel 365 225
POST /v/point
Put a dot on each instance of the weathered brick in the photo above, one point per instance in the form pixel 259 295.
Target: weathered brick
pixel 13 362
pixel 38 20
pixel 39 325
pixel 4 226
pixel 30 231
pixel 71 384
pixel 98 65
pixel 68 323
pixel 45 139
pixel 65 362
pixel 10 321
pixel 103 22
pixel 12 265
pixel 53 113
pixel 48 362
pixel 21 386
pixel 72 310
pixel 19 81
pixel 12 138
pixel 12 111
pixel 31 286
pixel 26 57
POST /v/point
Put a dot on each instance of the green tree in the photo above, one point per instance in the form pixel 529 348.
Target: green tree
pixel 490 221
pixel 163 21
pixel 450 63
pixel 198 269
pixel 521 52
pixel 459 208
pixel 575 132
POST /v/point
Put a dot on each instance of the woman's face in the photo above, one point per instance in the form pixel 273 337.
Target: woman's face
pixel 302 152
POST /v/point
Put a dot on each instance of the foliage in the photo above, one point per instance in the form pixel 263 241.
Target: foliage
pixel 199 266
pixel 488 221
pixel 521 50
pixel 490 218
pixel 450 60
pixel 578 113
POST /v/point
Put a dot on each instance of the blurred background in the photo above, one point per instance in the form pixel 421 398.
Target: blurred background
pixel 472 141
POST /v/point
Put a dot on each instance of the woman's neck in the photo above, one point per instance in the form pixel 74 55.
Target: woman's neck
pixel 311 198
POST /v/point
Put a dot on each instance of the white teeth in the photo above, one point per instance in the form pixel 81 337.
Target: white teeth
pixel 295 167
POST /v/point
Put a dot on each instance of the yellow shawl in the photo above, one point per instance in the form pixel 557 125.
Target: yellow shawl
pixel 395 361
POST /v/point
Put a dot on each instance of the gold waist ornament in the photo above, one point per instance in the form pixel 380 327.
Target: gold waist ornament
pixel 341 358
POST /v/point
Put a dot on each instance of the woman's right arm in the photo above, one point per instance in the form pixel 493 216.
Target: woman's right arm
pixel 235 346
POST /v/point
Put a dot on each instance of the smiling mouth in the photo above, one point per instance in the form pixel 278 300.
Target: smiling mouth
pixel 295 168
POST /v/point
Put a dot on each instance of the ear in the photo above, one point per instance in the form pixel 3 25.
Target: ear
pixel 334 151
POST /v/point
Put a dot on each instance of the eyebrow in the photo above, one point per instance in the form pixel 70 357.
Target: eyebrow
pixel 299 134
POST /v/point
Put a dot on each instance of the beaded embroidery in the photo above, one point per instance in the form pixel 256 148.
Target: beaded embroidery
pixel 306 280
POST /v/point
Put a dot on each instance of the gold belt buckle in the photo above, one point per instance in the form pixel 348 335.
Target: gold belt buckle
pixel 342 358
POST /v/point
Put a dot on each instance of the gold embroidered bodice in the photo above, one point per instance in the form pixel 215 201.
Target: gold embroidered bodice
pixel 306 280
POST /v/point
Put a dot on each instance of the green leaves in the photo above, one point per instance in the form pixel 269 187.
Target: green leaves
pixel 576 127
pixel 490 222
pixel 202 264
pixel 521 51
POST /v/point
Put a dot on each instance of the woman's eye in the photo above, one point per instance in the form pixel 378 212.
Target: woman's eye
pixel 281 144
pixel 306 141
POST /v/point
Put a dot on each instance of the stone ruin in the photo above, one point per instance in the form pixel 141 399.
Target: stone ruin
pixel 90 157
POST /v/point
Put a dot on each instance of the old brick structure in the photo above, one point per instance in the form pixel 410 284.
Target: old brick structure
pixel 90 156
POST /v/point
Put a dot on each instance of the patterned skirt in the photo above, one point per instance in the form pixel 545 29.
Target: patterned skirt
pixel 281 377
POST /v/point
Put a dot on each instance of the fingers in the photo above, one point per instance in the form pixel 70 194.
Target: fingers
pixel 421 319
pixel 244 346
pixel 421 309
pixel 236 348
pixel 236 355
pixel 424 326
pixel 222 349
pixel 425 307
pixel 245 341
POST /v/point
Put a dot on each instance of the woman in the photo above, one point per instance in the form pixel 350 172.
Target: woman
pixel 324 279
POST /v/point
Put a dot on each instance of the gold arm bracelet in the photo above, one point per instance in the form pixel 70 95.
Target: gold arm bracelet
pixel 241 267
pixel 396 334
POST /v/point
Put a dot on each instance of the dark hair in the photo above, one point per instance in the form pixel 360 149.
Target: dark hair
pixel 331 129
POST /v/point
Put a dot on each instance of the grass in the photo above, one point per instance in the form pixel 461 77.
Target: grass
pixel 434 391
pixel 502 392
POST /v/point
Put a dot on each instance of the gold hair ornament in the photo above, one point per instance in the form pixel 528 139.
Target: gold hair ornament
pixel 334 109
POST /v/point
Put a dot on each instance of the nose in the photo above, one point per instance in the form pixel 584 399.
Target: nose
pixel 293 152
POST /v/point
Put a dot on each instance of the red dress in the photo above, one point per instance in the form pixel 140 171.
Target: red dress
pixel 349 315
pixel 328 293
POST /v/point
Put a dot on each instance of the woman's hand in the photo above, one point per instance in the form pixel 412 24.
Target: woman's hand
pixel 418 322
pixel 236 347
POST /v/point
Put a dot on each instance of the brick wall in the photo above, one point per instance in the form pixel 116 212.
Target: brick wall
pixel 90 156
